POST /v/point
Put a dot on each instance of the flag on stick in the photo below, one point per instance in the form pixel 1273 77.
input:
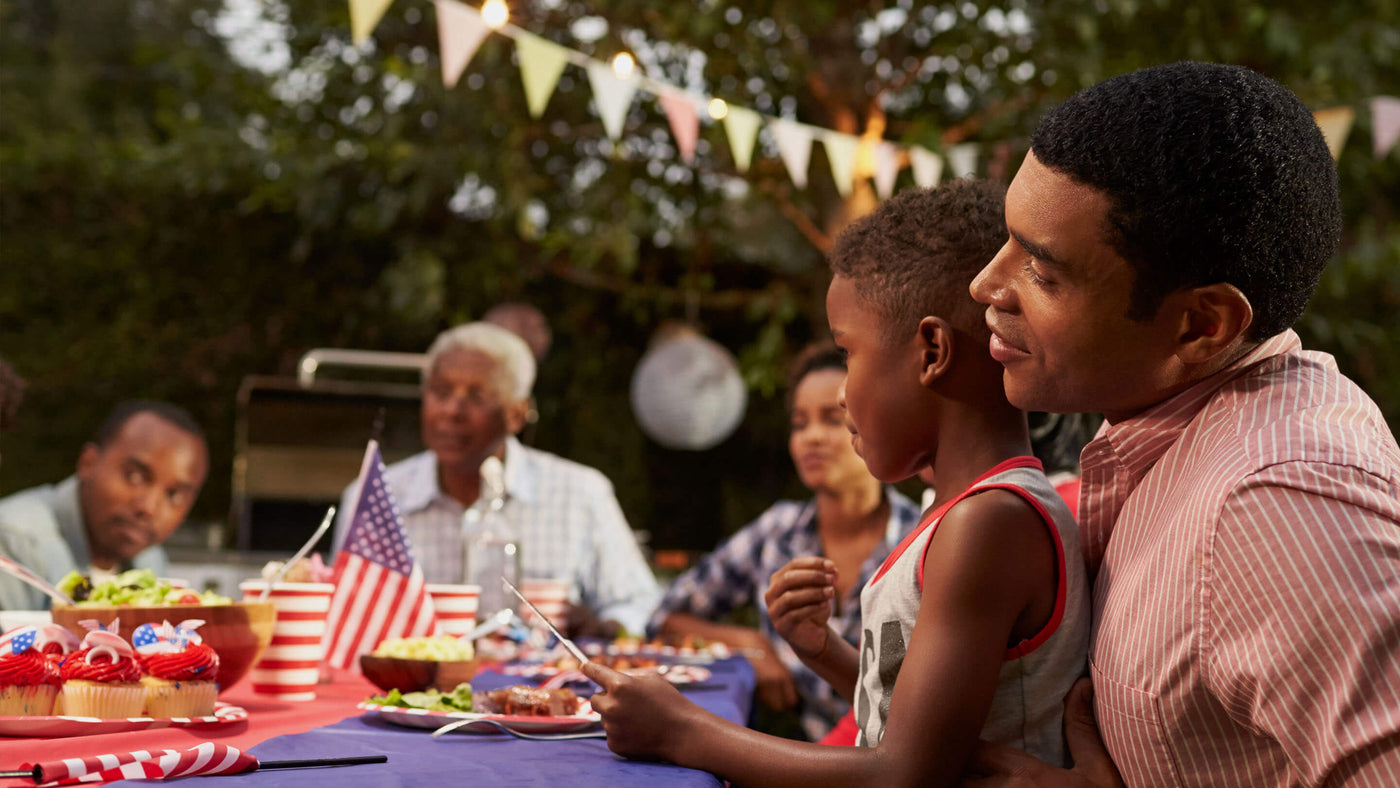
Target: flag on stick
pixel 379 588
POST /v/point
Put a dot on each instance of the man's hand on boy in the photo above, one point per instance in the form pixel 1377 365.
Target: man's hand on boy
pixel 642 715
pixel 999 766
pixel 799 603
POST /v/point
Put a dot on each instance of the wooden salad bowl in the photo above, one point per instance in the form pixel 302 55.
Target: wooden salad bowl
pixel 238 632
pixel 416 675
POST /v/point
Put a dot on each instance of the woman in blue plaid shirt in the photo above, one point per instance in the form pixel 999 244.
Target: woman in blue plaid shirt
pixel 852 520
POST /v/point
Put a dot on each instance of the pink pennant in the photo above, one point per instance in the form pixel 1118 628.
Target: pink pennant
pixel 685 121
pixel 1385 123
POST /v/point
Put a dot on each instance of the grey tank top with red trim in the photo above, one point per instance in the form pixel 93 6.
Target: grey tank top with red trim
pixel 1028 708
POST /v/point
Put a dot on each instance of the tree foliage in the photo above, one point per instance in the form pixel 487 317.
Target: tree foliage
pixel 193 191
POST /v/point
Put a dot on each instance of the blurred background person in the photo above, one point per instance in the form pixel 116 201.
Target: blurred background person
pixel 852 519
pixel 476 397
pixel 134 485
pixel 528 323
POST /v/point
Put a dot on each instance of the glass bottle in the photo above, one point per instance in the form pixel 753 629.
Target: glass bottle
pixel 491 543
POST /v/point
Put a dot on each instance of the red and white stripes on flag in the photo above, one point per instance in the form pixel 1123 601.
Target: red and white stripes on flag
pixel 207 758
pixel 379 589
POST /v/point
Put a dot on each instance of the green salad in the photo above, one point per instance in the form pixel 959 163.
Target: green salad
pixel 135 587
pixel 459 699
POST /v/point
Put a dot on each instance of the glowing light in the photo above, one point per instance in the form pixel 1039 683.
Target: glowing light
pixel 718 109
pixel 495 13
pixel 623 64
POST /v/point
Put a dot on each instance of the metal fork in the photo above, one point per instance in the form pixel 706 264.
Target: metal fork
pixel 503 728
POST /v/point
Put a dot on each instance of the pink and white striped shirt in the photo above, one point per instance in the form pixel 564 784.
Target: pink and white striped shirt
pixel 1244 542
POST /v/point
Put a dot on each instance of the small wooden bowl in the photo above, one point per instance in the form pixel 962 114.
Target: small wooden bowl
pixel 238 632
pixel 416 675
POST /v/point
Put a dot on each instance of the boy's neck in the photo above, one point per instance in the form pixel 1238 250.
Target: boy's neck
pixel 971 441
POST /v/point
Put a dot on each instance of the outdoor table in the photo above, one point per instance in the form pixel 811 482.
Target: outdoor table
pixel 331 726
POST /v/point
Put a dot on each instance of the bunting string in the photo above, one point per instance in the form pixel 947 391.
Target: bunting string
pixel 463 28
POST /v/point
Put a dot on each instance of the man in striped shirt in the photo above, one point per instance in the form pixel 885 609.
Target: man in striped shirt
pixel 1241 506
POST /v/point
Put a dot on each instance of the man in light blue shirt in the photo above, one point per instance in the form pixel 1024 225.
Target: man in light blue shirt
pixel 476 397
pixel 134 485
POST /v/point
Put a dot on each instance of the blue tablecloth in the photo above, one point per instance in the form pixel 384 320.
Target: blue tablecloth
pixel 416 759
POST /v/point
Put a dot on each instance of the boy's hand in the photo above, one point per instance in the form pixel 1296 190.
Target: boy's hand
pixel 643 715
pixel 799 603
pixel 999 766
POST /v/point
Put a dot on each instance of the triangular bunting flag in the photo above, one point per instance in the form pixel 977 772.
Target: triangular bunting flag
pixel 962 160
pixel 684 119
pixel 886 169
pixel 460 31
pixel 612 95
pixel 365 16
pixel 927 166
pixel 741 126
pixel 1385 123
pixel 795 147
pixel 1336 125
pixel 841 155
pixel 541 64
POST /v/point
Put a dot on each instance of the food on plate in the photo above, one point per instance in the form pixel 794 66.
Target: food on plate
pixel 438 648
pixel 459 699
pixel 305 570
pixel 102 678
pixel 29 681
pixel 181 671
pixel 618 662
pixel 522 700
pixel 135 587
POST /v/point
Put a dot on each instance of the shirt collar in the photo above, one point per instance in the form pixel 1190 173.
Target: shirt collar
pixel 1140 441
pixel 68 511
pixel 420 486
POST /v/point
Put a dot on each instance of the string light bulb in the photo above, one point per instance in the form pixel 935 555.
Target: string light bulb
pixel 623 64
pixel 495 13
pixel 718 109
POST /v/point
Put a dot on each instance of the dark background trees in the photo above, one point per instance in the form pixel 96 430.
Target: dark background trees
pixel 193 191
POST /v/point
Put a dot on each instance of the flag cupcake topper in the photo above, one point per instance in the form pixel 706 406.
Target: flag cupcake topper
pixel 54 634
pixel 18 640
pixel 166 638
pixel 101 643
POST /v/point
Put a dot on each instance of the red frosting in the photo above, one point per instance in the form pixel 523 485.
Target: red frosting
pixel 197 662
pixel 26 669
pixel 102 668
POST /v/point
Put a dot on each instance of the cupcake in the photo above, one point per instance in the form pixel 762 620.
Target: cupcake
pixel 55 642
pixel 180 669
pixel 29 682
pixel 102 678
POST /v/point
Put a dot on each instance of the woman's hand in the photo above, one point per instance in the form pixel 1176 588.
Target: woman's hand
pixel 775 688
pixel 644 716
pixel 799 603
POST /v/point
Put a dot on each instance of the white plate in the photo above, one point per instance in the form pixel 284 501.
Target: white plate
pixel 56 727
pixel 432 720
pixel 675 673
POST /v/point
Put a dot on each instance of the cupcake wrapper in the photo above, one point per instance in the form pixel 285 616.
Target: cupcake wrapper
pixel 28 701
pixel 179 698
pixel 104 701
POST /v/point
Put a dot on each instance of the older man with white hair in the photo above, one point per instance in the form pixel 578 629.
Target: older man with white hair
pixel 476 398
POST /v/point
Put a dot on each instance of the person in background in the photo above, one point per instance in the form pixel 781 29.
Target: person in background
pixel 476 393
pixel 852 519
pixel 526 322
pixel 135 483
pixel 978 621
pixel 1239 508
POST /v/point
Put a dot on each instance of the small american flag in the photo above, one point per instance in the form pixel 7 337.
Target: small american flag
pixel 18 640
pixel 379 589
pixel 207 758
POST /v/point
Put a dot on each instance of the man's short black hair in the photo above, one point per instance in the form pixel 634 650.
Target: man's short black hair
pixel 1213 174
pixel 916 254
pixel 125 411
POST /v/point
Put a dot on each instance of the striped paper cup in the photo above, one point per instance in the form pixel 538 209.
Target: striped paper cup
pixel 550 595
pixel 455 606
pixel 290 666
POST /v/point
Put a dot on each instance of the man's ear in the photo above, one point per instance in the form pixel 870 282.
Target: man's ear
pixel 1213 319
pixel 87 459
pixel 935 343
pixel 518 415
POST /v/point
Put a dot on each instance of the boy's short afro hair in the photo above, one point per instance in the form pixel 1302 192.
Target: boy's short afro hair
pixel 917 254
